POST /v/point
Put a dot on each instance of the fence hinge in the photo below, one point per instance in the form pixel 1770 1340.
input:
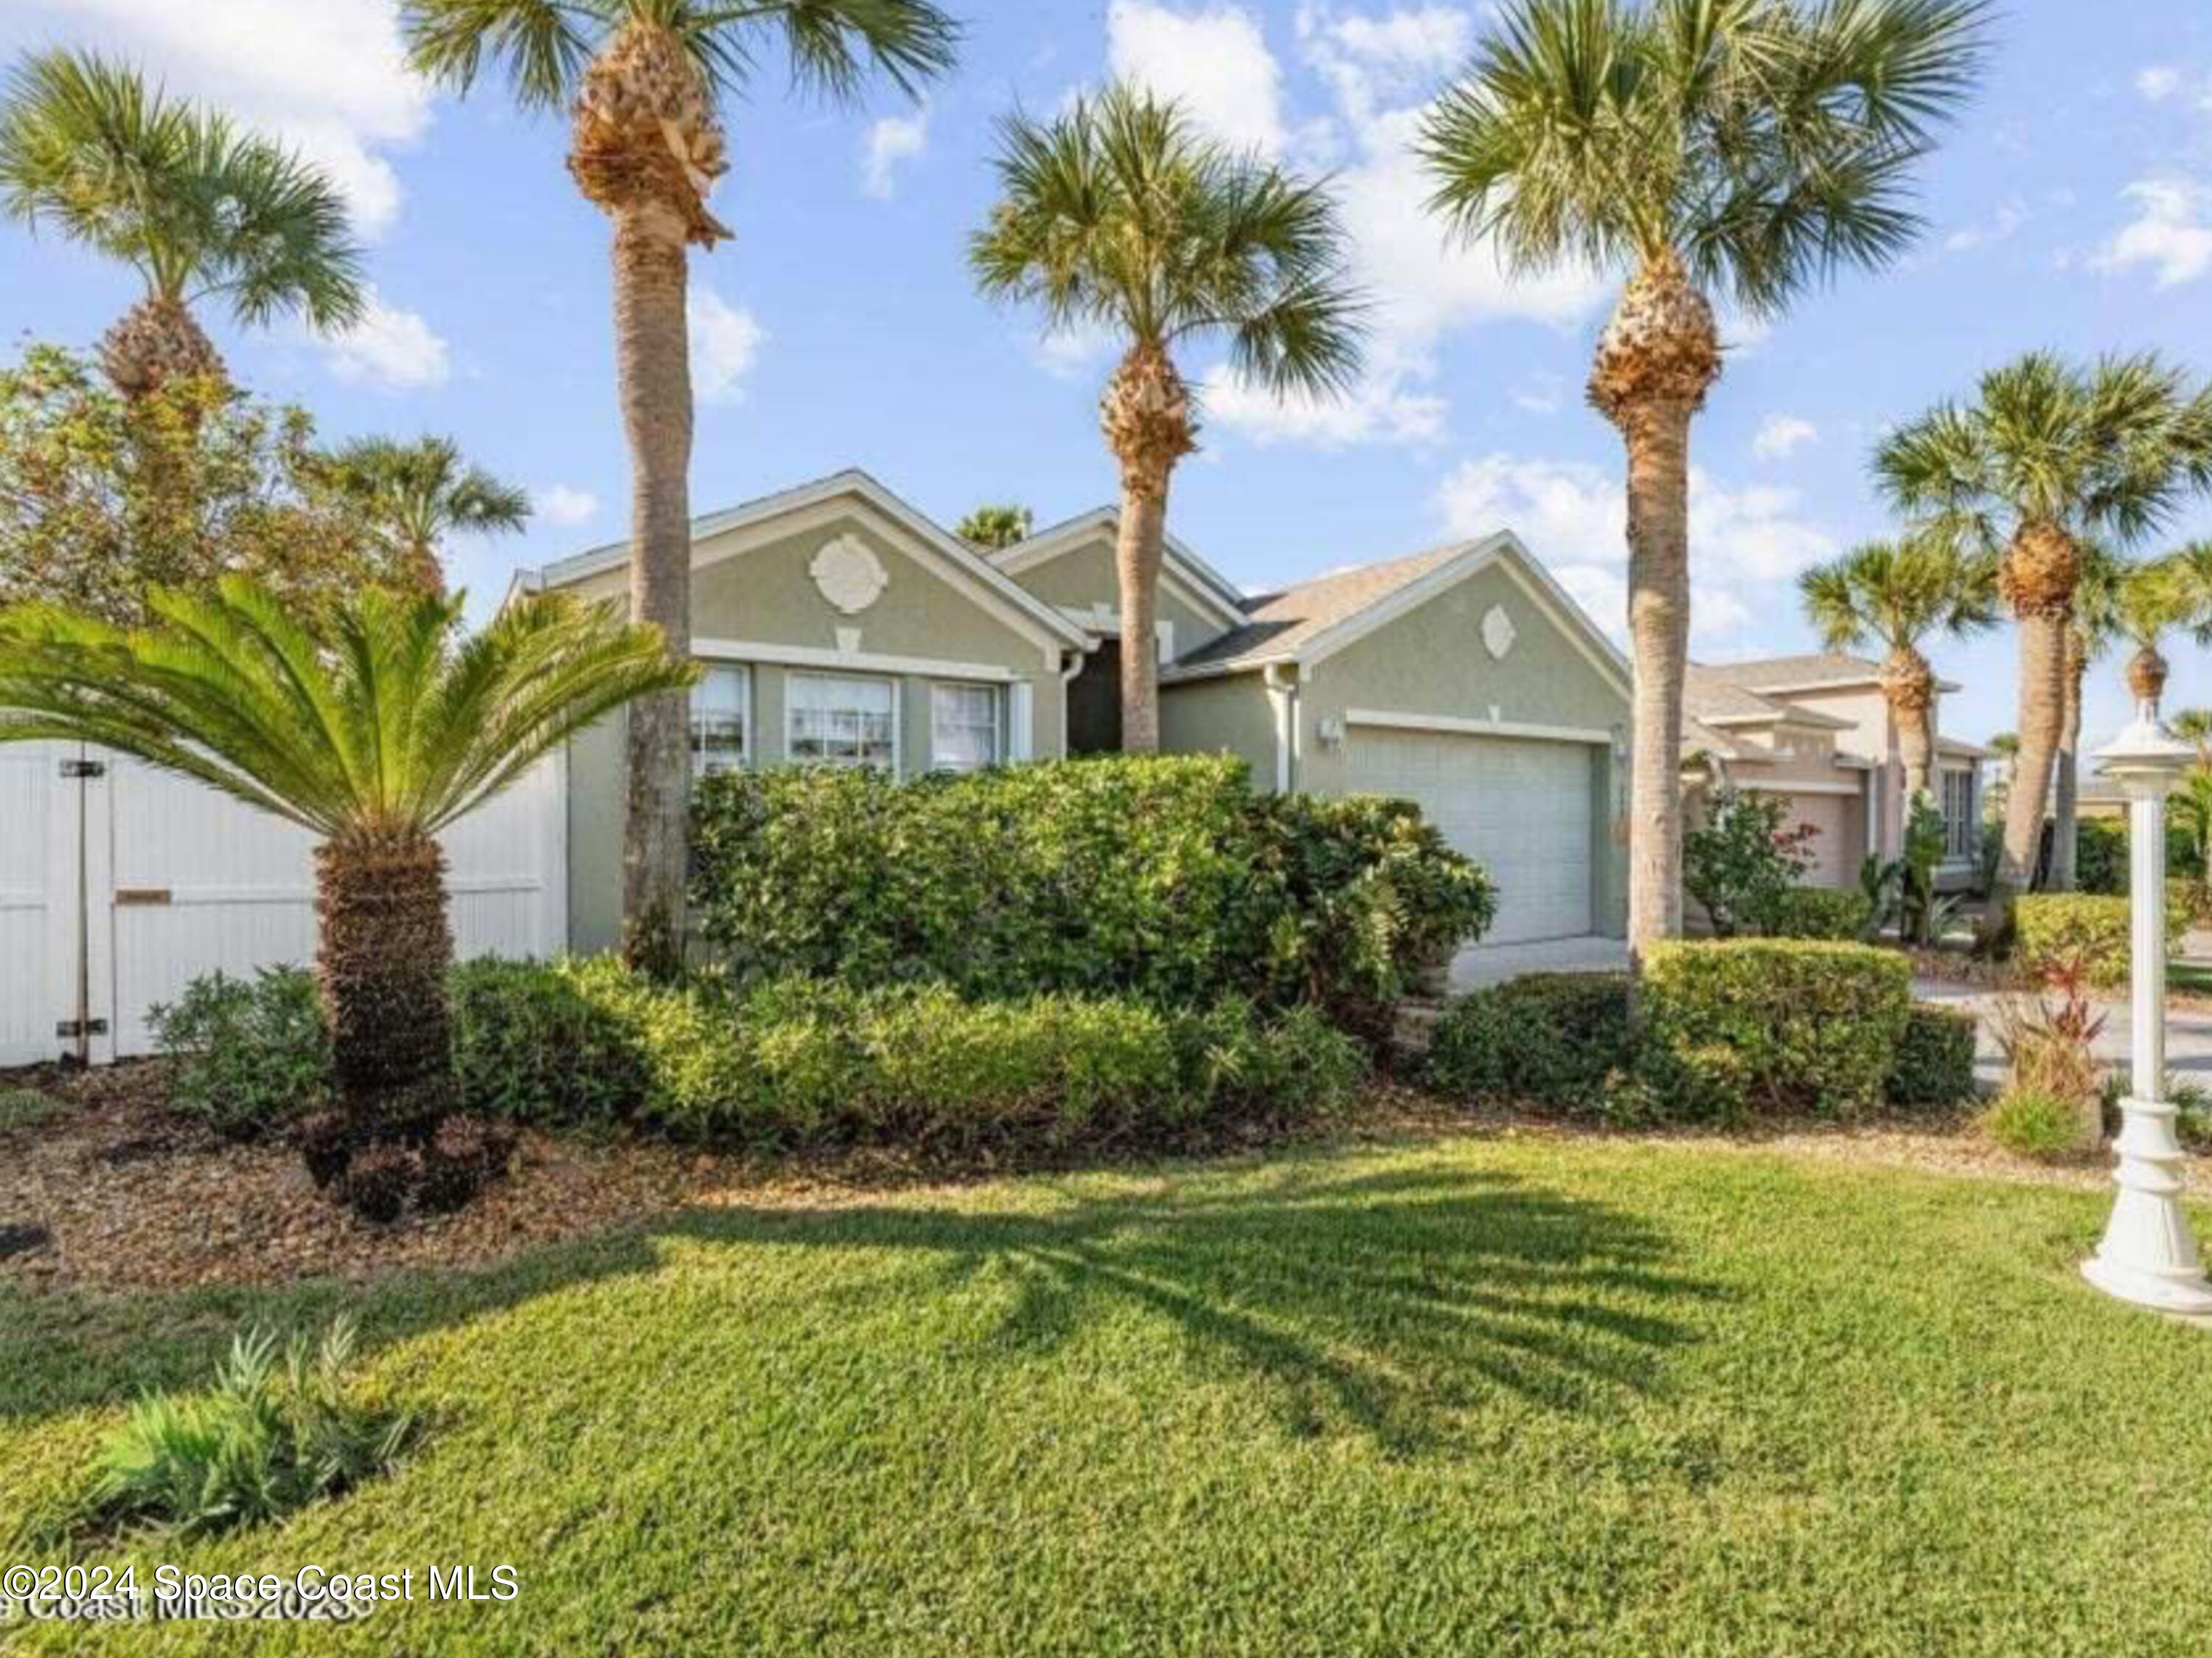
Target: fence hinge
pixel 76 1028
pixel 84 768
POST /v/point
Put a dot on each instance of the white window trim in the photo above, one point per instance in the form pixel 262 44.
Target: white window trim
pixel 1000 740
pixel 847 664
pixel 898 714
pixel 749 712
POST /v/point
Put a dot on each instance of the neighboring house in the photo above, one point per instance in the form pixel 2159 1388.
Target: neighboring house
pixel 1817 730
pixel 840 626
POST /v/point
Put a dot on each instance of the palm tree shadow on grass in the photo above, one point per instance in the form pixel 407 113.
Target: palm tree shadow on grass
pixel 1390 1304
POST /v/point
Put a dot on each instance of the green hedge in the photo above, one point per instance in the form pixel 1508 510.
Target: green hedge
pixel 1163 878
pixel 1934 1064
pixel 1806 1026
pixel 1819 912
pixel 2100 856
pixel 1553 1039
pixel 247 1054
pixel 2055 928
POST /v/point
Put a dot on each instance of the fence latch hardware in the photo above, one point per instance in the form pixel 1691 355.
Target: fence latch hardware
pixel 73 1028
pixel 84 768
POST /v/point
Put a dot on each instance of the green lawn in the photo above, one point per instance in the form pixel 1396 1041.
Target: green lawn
pixel 1476 1398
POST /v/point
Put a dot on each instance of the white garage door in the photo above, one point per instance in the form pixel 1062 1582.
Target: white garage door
pixel 1826 814
pixel 1520 809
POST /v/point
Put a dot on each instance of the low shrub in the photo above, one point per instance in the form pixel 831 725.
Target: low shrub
pixel 2084 927
pixel 22 1108
pixel 1809 1025
pixel 1739 862
pixel 1549 1038
pixel 679 1044
pixel 1236 1064
pixel 277 1432
pixel 250 1054
pixel 1934 1064
pixel 2100 856
pixel 2035 1123
pixel 1819 912
pixel 534 1044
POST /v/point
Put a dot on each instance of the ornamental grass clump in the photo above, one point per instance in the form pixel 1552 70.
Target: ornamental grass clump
pixel 2049 1041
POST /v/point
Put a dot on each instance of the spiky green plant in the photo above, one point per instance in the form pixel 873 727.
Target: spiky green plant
pixel 418 494
pixel 1745 150
pixel 1118 216
pixel 204 212
pixel 374 726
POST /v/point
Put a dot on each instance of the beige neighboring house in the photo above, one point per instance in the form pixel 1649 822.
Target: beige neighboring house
pixel 1816 730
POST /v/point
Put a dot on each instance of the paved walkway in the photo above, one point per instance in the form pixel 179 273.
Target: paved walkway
pixel 2188 1035
pixel 1494 964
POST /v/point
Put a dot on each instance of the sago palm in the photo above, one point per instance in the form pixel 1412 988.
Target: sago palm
pixel 643 81
pixel 1738 150
pixel 1897 594
pixel 415 495
pixel 374 729
pixel 2049 457
pixel 204 211
pixel 1118 216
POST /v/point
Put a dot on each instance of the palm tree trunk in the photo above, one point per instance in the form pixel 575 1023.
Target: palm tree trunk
pixel 382 953
pixel 2042 719
pixel 1909 685
pixel 1140 541
pixel 2065 839
pixel 1659 636
pixel 653 352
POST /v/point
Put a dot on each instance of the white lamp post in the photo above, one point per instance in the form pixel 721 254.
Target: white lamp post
pixel 2148 1255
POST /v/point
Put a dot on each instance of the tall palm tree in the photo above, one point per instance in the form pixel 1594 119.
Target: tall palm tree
pixel 2093 629
pixel 1119 215
pixel 374 729
pixel 417 494
pixel 1743 148
pixel 2193 726
pixel 2149 602
pixel 995 525
pixel 1898 593
pixel 643 80
pixel 203 210
pixel 2048 459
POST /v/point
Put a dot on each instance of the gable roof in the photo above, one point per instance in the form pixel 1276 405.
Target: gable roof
pixel 1819 670
pixel 965 561
pixel 1207 585
pixel 1714 698
pixel 1309 621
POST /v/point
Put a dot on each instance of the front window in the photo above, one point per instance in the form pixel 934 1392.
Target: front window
pixel 964 727
pixel 720 713
pixel 843 722
pixel 1959 829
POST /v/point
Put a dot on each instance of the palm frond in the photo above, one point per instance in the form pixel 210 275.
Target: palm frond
pixel 541 46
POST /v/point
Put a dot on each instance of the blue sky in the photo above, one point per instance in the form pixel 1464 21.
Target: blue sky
pixel 2072 208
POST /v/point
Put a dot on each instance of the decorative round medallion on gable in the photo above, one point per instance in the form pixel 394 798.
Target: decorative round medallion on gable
pixel 849 574
pixel 1497 632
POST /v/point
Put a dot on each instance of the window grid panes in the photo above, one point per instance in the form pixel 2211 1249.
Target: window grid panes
pixel 964 727
pixel 1959 829
pixel 720 711
pixel 843 722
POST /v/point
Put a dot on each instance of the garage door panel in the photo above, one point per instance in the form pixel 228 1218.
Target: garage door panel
pixel 1523 810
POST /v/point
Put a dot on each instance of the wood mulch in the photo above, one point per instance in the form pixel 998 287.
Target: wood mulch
pixel 116 1196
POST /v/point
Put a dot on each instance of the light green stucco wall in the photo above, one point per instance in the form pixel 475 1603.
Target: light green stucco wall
pixel 1231 715
pixel 1085 575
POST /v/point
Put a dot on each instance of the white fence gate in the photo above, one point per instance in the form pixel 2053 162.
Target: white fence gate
pixel 120 884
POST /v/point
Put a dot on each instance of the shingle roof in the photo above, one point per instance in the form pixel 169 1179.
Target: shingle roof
pixel 1710 693
pixel 1961 749
pixel 1282 622
pixel 1772 673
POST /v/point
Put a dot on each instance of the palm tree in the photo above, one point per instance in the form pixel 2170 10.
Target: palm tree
pixel 2193 726
pixel 418 494
pixel 1898 593
pixel 642 80
pixel 374 729
pixel 2094 627
pixel 1118 214
pixel 2049 458
pixel 203 210
pixel 995 525
pixel 1749 148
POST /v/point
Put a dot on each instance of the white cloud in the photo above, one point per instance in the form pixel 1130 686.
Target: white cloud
pixel 1540 392
pixel 893 139
pixel 330 79
pixel 2158 82
pixel 1781 436
pixel 1075 353
pixel 1214 61
pixel 2001 226
pixel 1379 410
pixel 726 340
pixel 2171 232
pixel 564 506
pixel 1717 614
pixel 389 347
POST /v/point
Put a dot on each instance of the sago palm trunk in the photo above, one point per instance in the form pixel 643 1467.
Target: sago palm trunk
pixel 653 352
pixel 2066 798
pixel 382 953
pixel 1657 357
pixel 2041 569
pixel 1145 415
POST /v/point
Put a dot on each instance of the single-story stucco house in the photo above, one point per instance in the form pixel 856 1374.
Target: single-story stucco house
pixel 840 626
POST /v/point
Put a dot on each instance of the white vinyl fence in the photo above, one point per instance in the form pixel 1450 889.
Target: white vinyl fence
pixel 120 884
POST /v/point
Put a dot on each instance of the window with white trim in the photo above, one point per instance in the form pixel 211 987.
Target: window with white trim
pixel 965 728
pixel 835 720
pixel 722 718
pixel 1960 831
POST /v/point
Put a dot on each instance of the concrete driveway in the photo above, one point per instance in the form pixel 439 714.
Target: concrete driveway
pixel 2188 1035
pixel 1494 964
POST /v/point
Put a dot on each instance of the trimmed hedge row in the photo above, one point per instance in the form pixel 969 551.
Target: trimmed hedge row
pixel 2055 928
pixel 795 1061
pixel 1820 912
pixel 1163 878
pixel 1732 1029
